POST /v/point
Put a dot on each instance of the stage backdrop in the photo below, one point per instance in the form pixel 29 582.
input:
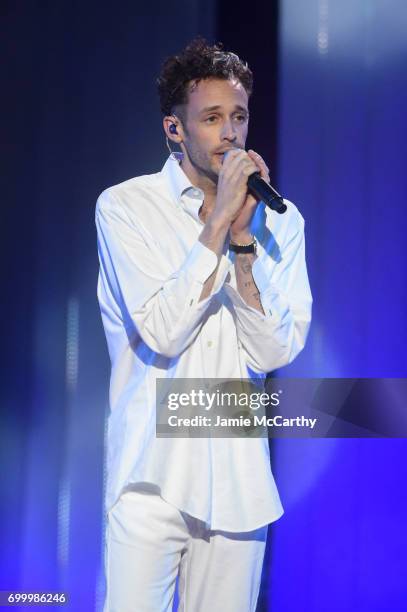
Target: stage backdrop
pixel 342 135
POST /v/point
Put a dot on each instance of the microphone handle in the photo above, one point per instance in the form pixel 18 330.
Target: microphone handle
pixel 266 193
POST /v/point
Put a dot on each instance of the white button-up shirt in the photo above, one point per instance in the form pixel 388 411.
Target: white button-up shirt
pixel 152 271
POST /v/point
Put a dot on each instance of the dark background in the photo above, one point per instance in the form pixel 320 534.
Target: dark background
pixel 80 113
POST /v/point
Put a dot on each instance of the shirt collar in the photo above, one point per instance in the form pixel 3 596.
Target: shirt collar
pixel 184 193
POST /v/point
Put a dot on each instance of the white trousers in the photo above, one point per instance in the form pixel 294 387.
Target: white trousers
pixel 148 542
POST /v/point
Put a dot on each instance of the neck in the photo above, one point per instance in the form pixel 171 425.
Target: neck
pixel 205 183
pixel 208 186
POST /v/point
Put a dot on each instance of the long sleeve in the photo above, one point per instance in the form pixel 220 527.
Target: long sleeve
pixel 274 339
pixel 162 303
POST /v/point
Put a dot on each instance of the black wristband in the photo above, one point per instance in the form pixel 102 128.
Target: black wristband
pixel 243 248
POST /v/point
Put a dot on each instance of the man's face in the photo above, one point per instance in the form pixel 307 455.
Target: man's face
pixel 216 120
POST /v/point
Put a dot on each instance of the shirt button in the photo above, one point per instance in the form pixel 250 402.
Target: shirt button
pixel 210 343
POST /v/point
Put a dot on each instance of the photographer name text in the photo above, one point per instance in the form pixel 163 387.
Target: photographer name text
pixel 241 421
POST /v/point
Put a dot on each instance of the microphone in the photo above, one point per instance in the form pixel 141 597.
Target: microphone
pixel 265 192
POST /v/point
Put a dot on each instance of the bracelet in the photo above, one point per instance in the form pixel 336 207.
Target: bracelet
pixel 244 248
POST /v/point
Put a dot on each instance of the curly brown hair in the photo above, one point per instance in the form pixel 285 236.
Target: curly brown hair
pixel 199 60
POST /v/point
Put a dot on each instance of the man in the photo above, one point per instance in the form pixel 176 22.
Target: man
pixel 185 292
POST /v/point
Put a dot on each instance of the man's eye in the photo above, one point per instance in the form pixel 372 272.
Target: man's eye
pixel 209 119
pixel 241 118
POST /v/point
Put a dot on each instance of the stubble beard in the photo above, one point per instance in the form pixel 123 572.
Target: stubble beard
pixel 201 163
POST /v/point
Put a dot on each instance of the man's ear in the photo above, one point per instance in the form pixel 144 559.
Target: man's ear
pixel 173 128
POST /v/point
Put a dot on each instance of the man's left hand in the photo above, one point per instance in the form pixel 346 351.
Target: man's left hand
pixel 240 228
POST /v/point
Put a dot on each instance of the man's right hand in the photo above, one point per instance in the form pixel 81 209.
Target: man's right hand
pixel 232 185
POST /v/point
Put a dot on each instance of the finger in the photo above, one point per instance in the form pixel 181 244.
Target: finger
pixel 261 164
pixel 236 161
pixel 230 155
pixel 239 161
pixel 229 161
pixel 240 171
pixel 246 166
pixel 257 159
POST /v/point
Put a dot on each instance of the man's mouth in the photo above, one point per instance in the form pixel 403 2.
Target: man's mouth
pixel 222 153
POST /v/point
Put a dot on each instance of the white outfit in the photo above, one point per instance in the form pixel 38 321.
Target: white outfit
pixel 152 270
pixel 148 542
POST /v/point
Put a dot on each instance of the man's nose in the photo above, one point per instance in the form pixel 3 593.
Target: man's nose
pixel 228 131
